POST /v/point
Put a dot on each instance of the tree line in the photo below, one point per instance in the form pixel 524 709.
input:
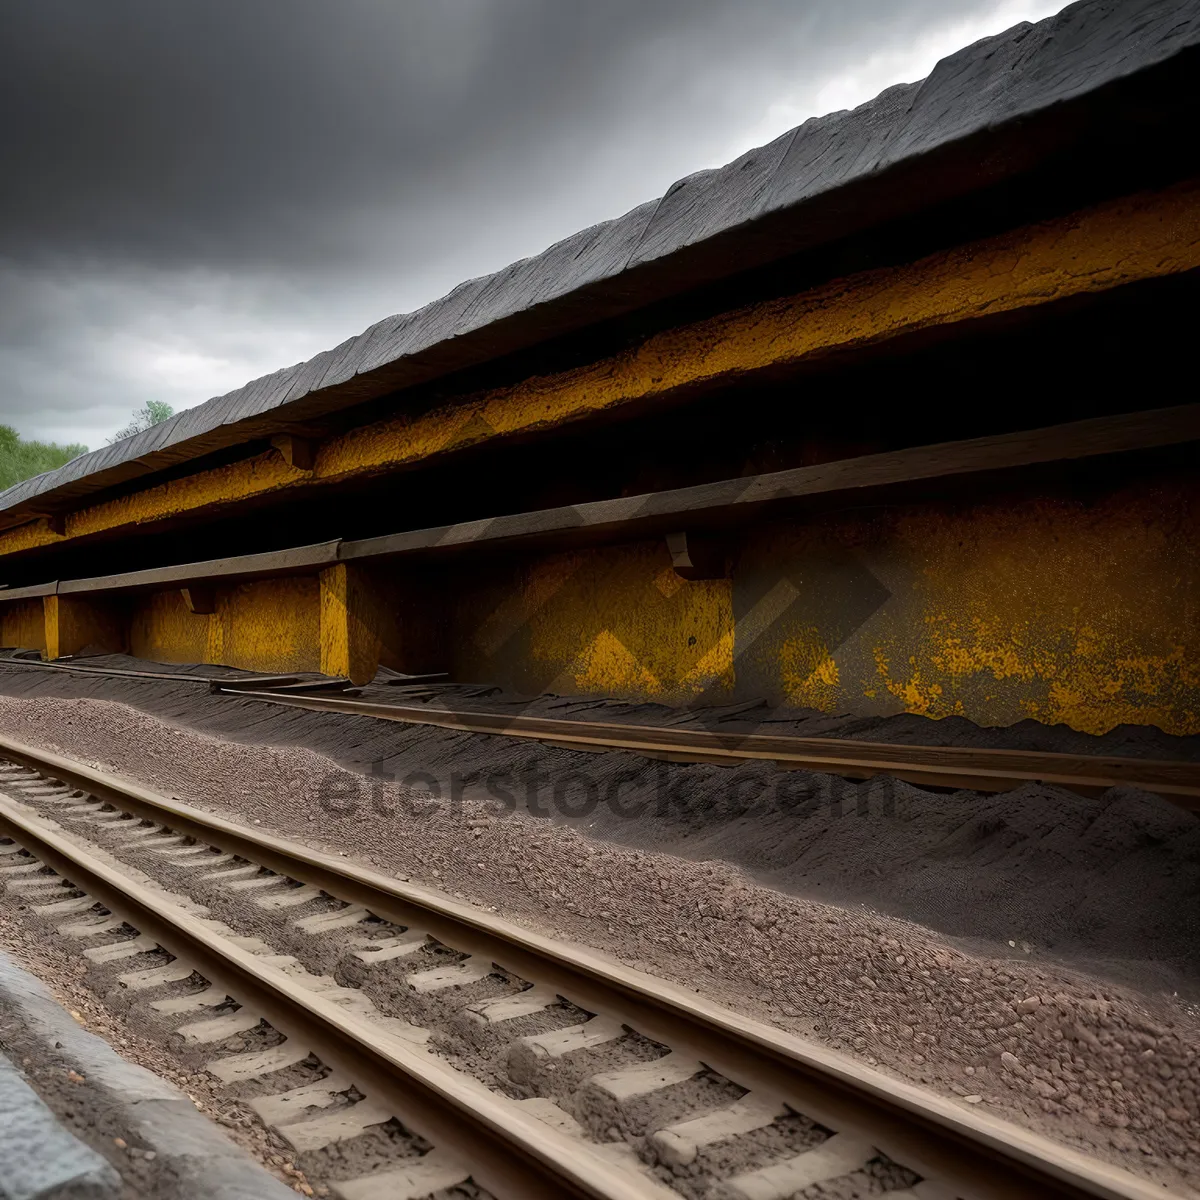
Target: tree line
pixel 22 458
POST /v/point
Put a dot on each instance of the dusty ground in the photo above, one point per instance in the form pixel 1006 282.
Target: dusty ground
pixel 1109 1069
pixel 1106 883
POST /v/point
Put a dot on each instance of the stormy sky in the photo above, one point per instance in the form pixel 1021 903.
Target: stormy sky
pixel 197 192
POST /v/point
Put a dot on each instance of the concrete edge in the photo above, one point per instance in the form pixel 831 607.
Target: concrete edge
pixel 40 1158
pixel 193 1159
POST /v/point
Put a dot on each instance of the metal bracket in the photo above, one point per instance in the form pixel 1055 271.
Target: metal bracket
pixel 696 556
pixel 299 452
pixel 200 598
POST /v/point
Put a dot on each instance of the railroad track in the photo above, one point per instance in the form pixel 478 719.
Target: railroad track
pixel 950 767
pixel 611 1083
pixel 937 766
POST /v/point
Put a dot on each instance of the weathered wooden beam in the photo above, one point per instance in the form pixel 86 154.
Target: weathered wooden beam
pixel 738 499
pixel 295 561
pixel 35 591
pixel 726 501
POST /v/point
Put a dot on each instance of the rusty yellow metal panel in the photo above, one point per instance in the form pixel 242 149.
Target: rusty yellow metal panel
pixel 1085 613
pixel 1058 609
pixel 163 630
pixel 1147 236
pixel 615 621
pixel 352 618
pixel 268 625
pixel 75 623
pixel 23 625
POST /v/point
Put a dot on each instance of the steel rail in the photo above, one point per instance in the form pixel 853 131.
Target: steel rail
pixel 969 1152
pixel 983 770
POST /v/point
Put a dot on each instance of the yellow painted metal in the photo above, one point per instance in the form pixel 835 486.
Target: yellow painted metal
pixel 1085 613
pixel 23 624
pixel 162 630
pixel 269 625
pixel 1147 236
pixel 1055 609
pixel 615 621
pixel 75 622
pixel 351 621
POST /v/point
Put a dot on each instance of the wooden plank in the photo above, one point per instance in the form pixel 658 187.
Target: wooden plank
pixel 32 592
pixel 246 566
pixel 725 500
pixel 740 497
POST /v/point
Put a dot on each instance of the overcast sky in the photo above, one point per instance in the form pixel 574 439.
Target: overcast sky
pixel 197 192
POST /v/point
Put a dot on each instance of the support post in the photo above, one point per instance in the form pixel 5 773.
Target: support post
pixel 73 622
pixel 350 624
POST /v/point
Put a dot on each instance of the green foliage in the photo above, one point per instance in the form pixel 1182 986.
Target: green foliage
pixel 20 459
pixel 155 412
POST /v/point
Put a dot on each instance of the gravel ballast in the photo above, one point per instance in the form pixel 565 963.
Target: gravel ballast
pixel 1105 1067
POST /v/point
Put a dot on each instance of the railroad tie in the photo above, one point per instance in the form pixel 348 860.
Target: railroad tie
pixel 234 872
pixel 64 908
pixel 218 860
pixel 25 868
pixel 837 1156
pixel 152 977
pixel 343 918
pixel 217 1029
pixel 643 1078
pixel 79 930
pixel 678 1145
pixel 470 970
pixel 36 883
pixel 508 1008
pixel 142 944
pixel 142 832
pixel 433 1172
pixel 386 949
pixel 558 1042
pixel 283 1108
pixel 157 843
pixel 84 807
pixel 319 1132
pixel 292 897
pixel 210 997
pixel 234 1068
pixel 251 884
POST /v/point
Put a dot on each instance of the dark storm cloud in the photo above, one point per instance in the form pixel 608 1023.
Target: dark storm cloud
pixel 278 129
pixel 299 168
